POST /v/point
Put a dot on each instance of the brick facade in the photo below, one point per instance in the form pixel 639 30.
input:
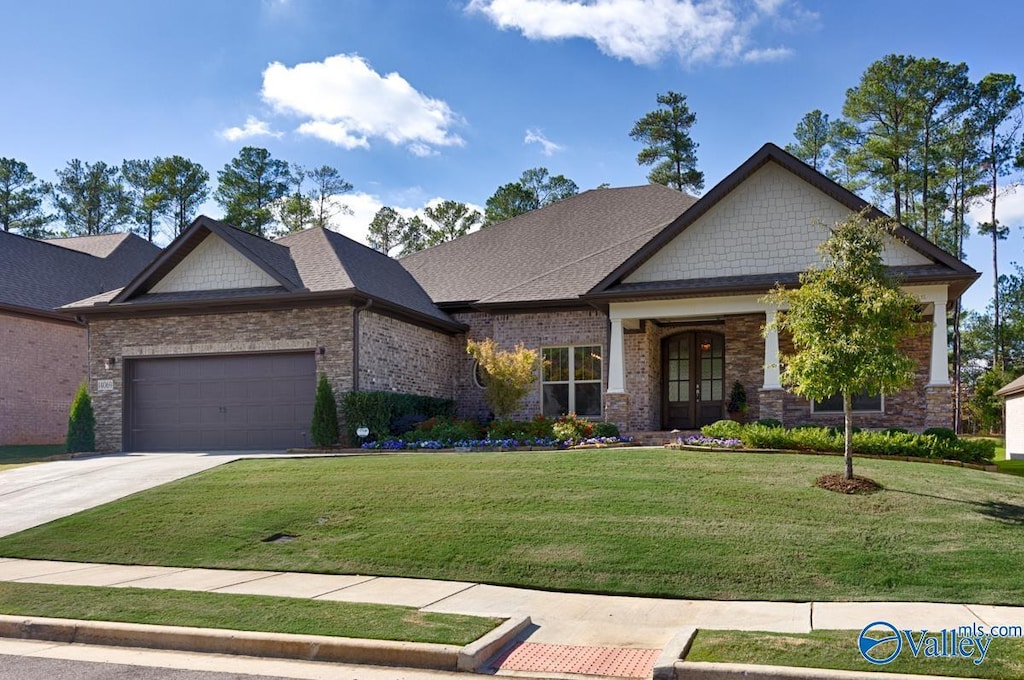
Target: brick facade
pixel 42 363
pixel 396 356
pixel 329 327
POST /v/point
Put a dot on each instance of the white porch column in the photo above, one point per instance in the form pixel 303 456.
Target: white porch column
pixel 940 360
pixel 616 367
pixel 771 353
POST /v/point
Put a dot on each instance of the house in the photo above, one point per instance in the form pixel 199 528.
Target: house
pixel 42 351
pixel 644 303
pixel 1013 417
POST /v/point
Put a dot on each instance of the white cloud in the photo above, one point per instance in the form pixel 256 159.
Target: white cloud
pixel 1009 208
pixel 253 128
pixel 536 136
pixel 767 54
pixel 643 31
pixel 346 102
pixel 365 205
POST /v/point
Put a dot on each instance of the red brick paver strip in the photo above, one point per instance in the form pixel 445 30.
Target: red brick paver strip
pixel 615 661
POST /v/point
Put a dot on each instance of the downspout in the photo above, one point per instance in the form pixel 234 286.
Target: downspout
pixel 355 343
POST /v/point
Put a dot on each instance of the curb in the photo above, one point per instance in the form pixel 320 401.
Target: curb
pixel 702 670
pixel 676 649
pixel 275 645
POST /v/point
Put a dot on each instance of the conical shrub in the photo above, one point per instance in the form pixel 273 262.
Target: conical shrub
pixel 81 423
pixel 324 428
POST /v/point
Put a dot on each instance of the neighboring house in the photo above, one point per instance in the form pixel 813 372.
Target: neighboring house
pixel 644 303
pixel 1014 417
pixel 43 352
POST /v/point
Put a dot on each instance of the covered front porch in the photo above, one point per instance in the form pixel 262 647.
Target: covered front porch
pixel 672 364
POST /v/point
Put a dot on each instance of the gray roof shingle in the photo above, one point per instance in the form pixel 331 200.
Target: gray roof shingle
pixel 558 252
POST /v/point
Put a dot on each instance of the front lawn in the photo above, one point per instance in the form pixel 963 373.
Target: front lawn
pixel 837 649
pixel 240 612
pixel 631 521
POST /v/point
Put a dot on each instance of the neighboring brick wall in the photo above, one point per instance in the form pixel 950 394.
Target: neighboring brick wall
pixel 400 357
pixel 744 361
pixel 42 363
pixel 214 265
pixel 766 225
pixel 535 330
pixel 281 330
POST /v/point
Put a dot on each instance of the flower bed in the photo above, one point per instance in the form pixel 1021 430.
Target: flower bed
pixel 487 444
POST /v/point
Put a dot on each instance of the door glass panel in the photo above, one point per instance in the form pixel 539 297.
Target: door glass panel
pixel 716 390
pixel 673 350
pixel 684 390
pixel 716 369
pixel 705 390
pixel 705 367
pixel 673 370
pixel 673 391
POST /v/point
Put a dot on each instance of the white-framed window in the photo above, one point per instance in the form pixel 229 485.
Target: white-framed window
pixel 862 403
pixel 571 380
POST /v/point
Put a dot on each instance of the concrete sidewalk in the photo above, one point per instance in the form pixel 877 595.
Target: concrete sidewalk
pixel 561 618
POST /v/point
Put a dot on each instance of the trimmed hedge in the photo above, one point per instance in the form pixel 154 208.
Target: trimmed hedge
pixel 380 411
pixel 885 443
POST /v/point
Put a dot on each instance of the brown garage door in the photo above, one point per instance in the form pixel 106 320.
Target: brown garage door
pixel 219 403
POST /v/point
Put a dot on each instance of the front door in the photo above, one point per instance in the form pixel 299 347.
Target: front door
pixel 692 379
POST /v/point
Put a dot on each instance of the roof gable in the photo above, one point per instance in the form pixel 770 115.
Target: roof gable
pixel 910 250
pixel 1013 388
pixel 212 255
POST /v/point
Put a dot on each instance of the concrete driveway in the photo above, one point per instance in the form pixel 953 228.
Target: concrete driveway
pixel 36 494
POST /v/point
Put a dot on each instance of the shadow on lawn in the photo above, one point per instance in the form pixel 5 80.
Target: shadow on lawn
pixel 1007 513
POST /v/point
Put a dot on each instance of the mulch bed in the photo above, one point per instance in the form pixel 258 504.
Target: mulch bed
pixel 850 486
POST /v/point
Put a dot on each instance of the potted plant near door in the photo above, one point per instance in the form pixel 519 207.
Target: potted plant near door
pixel 737 406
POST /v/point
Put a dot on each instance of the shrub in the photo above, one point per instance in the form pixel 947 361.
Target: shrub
pixel 769 422
pixel 572 428
pixel 508 376
pixel 324 428
pixel 942 433
pixel 722 429
pixel 606 429
pixel 81 423
pixel 896 430
pixel 379 410
pixel 446 431
pixel 737 399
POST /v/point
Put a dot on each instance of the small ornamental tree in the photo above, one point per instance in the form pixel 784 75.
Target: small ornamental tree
pixel 324 428
pixel 507 376
pixel 847 321
pixel 81 423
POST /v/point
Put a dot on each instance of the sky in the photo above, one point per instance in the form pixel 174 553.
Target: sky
pixel 419 100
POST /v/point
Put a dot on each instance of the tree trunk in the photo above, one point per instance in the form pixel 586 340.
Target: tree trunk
pixel 848 447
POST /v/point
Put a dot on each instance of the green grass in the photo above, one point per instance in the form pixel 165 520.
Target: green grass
pixel 20 454
pixel 240 612
pixel 641 521
pixel 1010 467
pixel 838 650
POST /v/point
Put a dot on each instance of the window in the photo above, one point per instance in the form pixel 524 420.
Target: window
pixel 861 402
pixel 478 374
pixel 571 380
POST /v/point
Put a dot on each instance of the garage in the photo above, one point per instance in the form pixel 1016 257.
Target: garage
pixel 219 403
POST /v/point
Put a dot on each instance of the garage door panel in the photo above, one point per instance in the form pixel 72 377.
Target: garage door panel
pixel 220 402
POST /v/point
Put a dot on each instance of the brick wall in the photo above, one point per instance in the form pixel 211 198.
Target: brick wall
pixel 535 330
pixel 400 357
pixel 42 363
pixel 766 225
pixel 266 331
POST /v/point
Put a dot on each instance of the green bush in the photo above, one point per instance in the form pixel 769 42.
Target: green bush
pixel 445 430
pixel 896 430
pixel 81 423
pixel 942 433
pixel 606 430
pixel 324 428
pixel 573 428
pixel 722 429
pixel 379 411
pixel 505 428
pixel 769 422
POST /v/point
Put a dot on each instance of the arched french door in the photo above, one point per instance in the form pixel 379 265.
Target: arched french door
pixel 692 379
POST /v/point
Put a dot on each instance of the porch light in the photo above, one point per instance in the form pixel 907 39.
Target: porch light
pixel 705 346
pixel 109 362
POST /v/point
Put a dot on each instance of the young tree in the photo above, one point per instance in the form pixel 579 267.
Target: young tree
pixel 508 376
pixel 669 147
pixel 324 428
pixel 813 135
pixel 535 188
pixel 847 321
pixel 386 230
pixel 147 201
pixel 249 186
pixel 184 186
pixel 328 184
pixel 997 116
pixel 90 198
pixel 449 220
pixel 21 199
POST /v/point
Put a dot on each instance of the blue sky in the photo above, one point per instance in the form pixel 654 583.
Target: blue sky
pixel 416 100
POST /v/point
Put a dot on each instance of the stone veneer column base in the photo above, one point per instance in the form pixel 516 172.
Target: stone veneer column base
pixel 616 409
pixel 938 406
pixel 772 404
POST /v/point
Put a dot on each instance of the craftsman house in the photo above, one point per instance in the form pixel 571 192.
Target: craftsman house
pixel 645 304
